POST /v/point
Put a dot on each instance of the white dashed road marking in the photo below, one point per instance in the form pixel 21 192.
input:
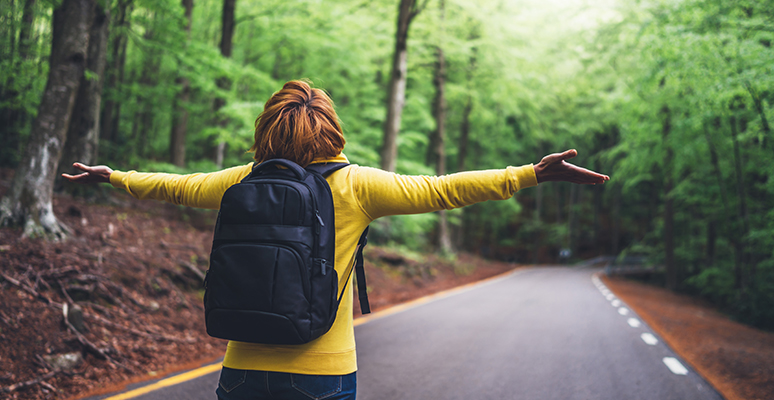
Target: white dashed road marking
pixel 649 339
pixel 675 366
pixel 672 363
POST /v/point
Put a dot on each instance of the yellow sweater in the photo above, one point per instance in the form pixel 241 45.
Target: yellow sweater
pixel 360 195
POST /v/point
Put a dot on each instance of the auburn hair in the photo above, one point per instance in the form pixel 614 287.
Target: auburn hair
pixel 298 123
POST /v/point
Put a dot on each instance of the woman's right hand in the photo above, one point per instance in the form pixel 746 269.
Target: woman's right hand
pixel 95 174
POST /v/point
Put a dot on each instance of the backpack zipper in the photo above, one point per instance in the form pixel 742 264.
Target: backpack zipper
pixel 318 224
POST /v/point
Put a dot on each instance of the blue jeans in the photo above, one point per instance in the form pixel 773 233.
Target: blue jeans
pixel 239 384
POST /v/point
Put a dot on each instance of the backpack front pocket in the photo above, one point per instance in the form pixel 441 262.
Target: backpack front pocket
pixel 263 287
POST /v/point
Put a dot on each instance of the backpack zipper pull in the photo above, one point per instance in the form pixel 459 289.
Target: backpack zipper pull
pixel 319 219
pixel 323 264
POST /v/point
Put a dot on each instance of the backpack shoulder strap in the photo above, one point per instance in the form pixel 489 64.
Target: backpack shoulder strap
pixel 362 290
pixel 325 169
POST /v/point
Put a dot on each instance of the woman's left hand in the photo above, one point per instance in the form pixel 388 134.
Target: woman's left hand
pixel 95 174
pixel 553 167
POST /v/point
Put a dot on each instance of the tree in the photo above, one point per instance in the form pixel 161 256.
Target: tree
pixel 672 273
pixel 180 113
pixel 13 117
pixel 82 142
pixel 224 83
pixel 436 154
pixel 112 110
pixel 396 92
pixel 28 202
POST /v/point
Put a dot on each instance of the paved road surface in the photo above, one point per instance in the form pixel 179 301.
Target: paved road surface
pixel 541 333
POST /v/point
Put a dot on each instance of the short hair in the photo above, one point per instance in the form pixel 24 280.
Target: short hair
pixel 299 124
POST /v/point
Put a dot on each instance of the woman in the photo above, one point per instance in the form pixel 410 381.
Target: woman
pixel 299 123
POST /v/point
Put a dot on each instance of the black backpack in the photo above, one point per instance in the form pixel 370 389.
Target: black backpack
pixel 271 278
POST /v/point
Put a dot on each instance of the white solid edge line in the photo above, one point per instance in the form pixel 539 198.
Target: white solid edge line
pixel 675 366
pixel 649 339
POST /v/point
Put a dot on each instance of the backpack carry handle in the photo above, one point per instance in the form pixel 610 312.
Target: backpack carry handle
pixel 297 170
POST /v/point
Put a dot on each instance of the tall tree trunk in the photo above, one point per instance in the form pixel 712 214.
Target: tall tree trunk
pixel 759 108
pixel 143 120
pixel 396 94
pixel 669 212
pixel 462 151
pixel 537 222
pixel 112 110
pixel 711 240
pixel 741 278
pixel 28 17
pixel 462 145
pixel 82 141
pixel 436 154
pixel 180 113
pixel 11 30
pixel 712 224
pixel 28 202
pixel 615 229
pixel 436 151
pixel 597 208
pixel 13 119
pixel 572 218
pixel 537 216
pixel 224 83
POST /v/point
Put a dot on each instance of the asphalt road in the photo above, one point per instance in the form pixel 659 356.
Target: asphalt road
pixel 541 333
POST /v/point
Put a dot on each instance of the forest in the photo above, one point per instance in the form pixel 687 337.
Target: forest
pixel 670 98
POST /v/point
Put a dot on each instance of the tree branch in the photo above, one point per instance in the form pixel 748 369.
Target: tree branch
pixel 31 382
pixel 417 9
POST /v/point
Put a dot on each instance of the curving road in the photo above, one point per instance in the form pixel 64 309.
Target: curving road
pixel 539 333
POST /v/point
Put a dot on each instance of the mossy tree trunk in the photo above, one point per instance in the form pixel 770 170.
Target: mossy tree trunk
pixel 28 203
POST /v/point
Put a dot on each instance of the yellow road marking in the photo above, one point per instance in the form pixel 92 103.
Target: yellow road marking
pixel 193 374
pixel 187 376
pixel 431 297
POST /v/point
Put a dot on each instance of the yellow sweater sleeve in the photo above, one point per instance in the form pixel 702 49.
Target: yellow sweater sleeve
pixel 383 193
pixel 193 190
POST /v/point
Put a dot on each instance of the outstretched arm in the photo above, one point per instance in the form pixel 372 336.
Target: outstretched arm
pixel 192 190
pixel 553 167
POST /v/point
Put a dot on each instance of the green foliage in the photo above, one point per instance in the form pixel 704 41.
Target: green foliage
pixel 654 93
